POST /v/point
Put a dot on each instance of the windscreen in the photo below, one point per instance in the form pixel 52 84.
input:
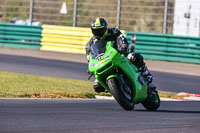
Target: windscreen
pixel 98 48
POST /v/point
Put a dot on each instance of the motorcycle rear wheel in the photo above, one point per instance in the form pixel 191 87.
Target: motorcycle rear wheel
pixel 124 100
pixel 152 102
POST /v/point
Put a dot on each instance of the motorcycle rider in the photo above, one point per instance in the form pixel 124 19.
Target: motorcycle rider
pixel 101 31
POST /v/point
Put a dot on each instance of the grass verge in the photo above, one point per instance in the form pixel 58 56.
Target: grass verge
pixel 25 85
pixel 13 85
pixel 171 95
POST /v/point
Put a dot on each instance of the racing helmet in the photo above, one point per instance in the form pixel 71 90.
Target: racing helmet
pixel 99 27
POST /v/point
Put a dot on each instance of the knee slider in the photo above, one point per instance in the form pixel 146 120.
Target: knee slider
pixel 131 57
pixel 136 59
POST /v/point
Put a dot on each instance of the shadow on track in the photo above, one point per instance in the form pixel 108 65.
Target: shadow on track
pixel 171 111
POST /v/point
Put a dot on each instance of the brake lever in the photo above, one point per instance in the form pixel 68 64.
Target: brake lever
pixel 91 74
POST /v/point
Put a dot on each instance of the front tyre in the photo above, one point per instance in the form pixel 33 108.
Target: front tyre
pixel 121 95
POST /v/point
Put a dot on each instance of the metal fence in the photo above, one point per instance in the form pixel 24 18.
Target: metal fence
pixel 134 15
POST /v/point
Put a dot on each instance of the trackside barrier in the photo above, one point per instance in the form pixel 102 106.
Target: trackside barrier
pixel 65 39
pixel 73 40
pixel 166 47
pixel 20 36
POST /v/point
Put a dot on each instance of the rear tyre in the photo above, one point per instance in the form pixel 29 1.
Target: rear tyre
pixel 120 93
pixel 152 102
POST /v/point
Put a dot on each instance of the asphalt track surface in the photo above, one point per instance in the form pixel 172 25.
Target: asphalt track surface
pixel 95 116
pixel 65 69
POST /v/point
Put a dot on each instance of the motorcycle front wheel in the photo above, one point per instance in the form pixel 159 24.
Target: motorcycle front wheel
pixel 121 94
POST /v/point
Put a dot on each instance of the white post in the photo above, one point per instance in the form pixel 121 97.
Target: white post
pixel 118 13
pixel 31 11
pixel 75 13
pixel 165 17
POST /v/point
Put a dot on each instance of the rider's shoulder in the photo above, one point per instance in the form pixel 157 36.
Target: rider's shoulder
pixel 91 41
pixel 114 30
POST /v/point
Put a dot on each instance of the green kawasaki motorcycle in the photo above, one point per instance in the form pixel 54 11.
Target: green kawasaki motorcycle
pixel 120 77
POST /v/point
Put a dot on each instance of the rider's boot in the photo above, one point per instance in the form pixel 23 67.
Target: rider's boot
pixel 137 60
pixel 97 87
pixel 149 78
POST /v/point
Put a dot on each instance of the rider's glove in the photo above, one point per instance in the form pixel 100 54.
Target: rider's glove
pixel 88 58
pixel 123 48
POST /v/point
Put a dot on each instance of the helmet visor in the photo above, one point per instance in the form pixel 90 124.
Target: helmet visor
pixel 99 32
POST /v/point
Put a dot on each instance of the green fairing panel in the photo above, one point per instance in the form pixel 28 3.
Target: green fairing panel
pixel 110 61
